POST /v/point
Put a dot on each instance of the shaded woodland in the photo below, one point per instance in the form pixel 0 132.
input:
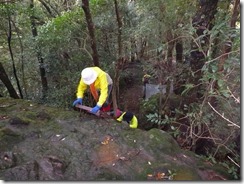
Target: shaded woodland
pixel 196 44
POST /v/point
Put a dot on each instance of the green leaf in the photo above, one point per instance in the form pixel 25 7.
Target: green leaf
pixel 225 93
pixel 220 83
pixel 214 68
pixel 187 88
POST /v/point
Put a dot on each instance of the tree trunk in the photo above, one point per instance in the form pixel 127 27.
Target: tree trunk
pixel 202 21
pixel 226 49
pixel 4 78
pixel 117 69
pixel 22 60
pixel 179 51
pixel 228 44
pixel 119 21
pixel 171 43
pixel 11 54
pixel 90 25
pixel 47 8
pixel 39 54
pixel 170 48
pixel 120 60
pixel 143 47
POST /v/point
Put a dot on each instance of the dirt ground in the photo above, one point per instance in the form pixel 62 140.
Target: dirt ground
pixel 132 92
pixel 130 98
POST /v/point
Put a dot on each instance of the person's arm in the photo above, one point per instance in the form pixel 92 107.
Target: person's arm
pixel 103 89
pixel 81 89
pixel 134 122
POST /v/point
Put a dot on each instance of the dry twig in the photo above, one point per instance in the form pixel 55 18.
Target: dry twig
pixel 223 116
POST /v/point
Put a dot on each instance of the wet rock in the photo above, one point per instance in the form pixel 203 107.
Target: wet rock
pixel 61 145
pixel 17 122
pixel 7 160
pixel 43 115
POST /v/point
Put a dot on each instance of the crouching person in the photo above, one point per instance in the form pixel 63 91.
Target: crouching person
pixel 100 84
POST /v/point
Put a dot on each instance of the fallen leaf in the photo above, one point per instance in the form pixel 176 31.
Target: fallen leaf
pixel 106 140
pixel 122 158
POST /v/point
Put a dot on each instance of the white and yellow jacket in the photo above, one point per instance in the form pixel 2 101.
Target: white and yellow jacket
pixel 101 84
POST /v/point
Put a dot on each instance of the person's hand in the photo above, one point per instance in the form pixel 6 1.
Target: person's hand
pixel 95 109
pixel 77 101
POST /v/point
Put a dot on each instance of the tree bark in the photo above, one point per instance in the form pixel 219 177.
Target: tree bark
pixel 228 44
pixel 171 43
pixel 47 8
pixel 4 78
pixel 21 59
pixel 119 61
pixel 203 20
pixel 179 51
pixel 90 25
pixel 39 54
pixel 11 54
pixel 48 5
pixel 143 47
pixel 226 49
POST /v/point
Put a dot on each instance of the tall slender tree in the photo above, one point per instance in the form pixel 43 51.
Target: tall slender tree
pixel 90 25
pixel 38 52
pixel 119 62
pixel 11 54
pixel 202 21
pixel 228 44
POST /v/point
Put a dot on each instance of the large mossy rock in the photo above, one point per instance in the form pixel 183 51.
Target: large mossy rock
pixel 44 143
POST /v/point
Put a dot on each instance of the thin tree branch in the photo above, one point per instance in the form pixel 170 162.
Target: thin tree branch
pixel 47 8
pixel 233 161
pixel 221 56
pixel 237 100
pixel 203 137
pixel 223 116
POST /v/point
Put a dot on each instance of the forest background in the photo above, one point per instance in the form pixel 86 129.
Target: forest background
pixel 196 44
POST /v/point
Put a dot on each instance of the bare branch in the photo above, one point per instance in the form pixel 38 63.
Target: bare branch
pixel 207 62
pixel 223 116
pixel 202 137
pixel 237 100
pixel 233 161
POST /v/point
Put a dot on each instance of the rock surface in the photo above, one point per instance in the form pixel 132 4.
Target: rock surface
pixel 45 143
